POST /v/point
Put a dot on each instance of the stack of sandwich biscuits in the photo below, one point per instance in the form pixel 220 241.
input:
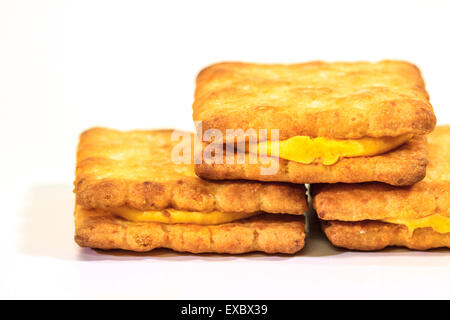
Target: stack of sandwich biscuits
pixel 355 132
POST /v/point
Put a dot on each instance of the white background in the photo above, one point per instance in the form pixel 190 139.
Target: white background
pixel 68 65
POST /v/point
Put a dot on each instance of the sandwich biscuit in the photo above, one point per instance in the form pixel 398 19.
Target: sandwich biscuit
pixel 335 122
pixel 130 194
pixel 372 216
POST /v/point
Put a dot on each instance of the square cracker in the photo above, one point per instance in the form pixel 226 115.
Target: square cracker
pixel 374 235
pixel 274 233
pixel 335 100
pixel 402 166
pixel 376 201
pixel 134 169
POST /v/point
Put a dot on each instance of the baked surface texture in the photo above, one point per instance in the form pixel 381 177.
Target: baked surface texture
pixel 405 165
pixel 134 169
pixel 375 235
pixel 266 232
pixel 375 201
pixel 336 100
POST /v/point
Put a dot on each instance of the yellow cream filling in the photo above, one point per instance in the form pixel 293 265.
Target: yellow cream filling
pixel 304 149
pixel 172 216
pixel 440 224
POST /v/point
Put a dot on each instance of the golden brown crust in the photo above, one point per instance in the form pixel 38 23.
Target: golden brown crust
pixel 336 100
pixel 375 201
pixel 375 235
pixel 134 169
pixel 266 233
pixel 402 166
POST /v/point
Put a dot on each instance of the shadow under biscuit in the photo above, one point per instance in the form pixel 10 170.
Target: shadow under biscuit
pixel 316 243
pixel 47 227
pixel 170 255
